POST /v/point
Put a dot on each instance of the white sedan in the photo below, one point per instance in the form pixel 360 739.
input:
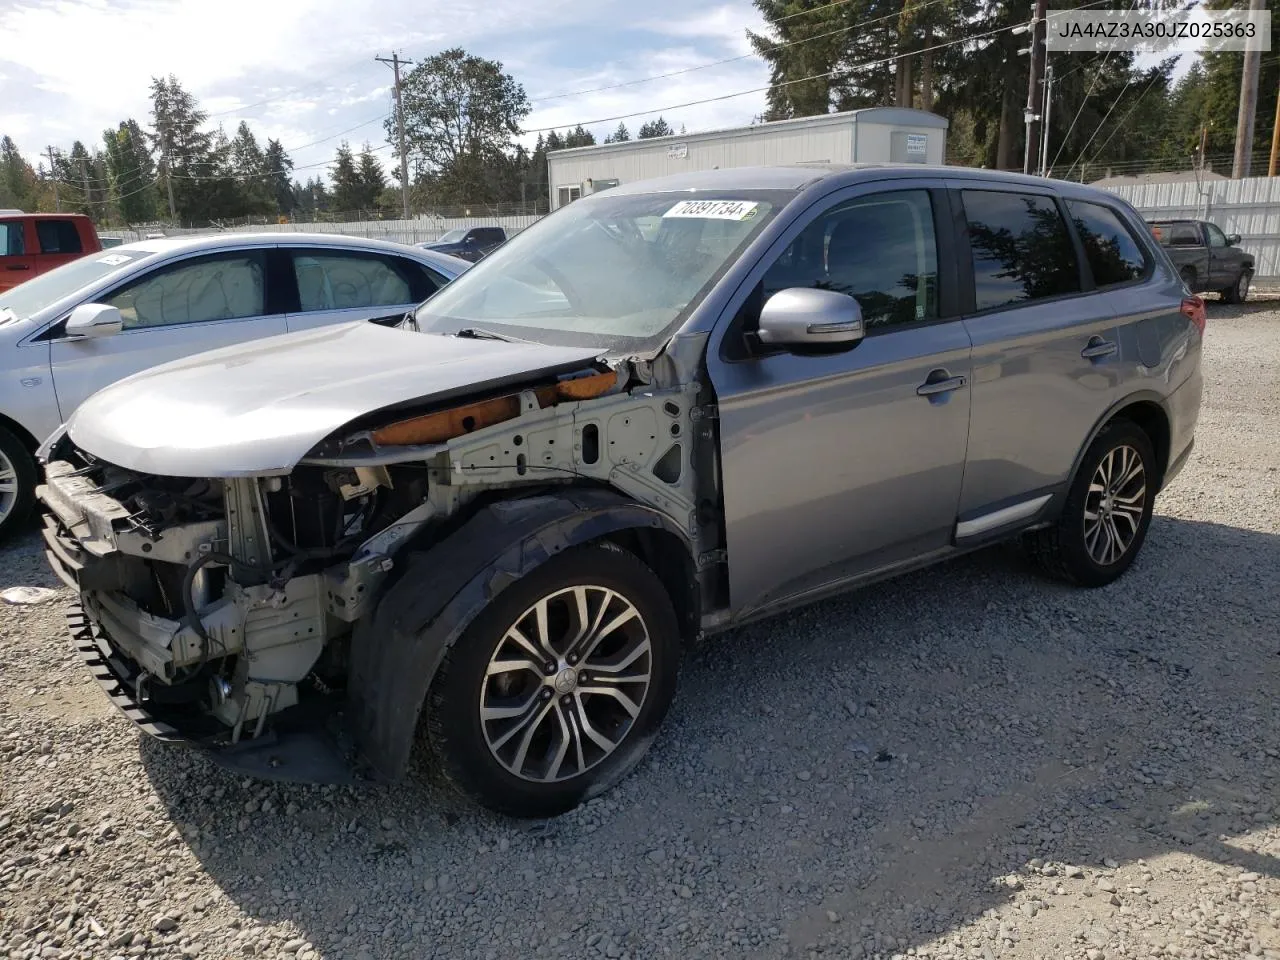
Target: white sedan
pixel 66 334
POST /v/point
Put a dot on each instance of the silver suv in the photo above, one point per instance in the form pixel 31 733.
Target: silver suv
pixel 665 410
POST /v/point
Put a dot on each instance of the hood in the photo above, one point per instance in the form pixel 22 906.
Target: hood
pixel 259 407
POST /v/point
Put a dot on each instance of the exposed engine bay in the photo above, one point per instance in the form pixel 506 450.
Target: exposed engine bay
pixel 228 601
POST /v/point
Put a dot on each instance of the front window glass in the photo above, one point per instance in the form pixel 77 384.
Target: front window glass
pixel 1216 237
pixel 11 239
pixel 48 288
pixel 195 291
pixel 880 250
pixel 613 271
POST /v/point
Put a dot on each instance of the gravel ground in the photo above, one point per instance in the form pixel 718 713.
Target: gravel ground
pixel 966 762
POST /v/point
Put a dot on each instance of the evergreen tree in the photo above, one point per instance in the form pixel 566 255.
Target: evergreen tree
pixel 654 128
pixel 621 135
pixel 277 166
pixel 578 137
pixel 131 171
pixel 248 165
pixel 19 186
pixel 348 192
pixel 372 179
pixel 188 156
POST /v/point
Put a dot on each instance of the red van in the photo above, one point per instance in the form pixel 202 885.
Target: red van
pixel 33 243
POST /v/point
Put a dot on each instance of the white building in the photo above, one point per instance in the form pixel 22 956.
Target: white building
pixel 874 135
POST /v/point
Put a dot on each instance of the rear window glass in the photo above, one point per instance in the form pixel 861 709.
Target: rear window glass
pixel 1113 254
pixel 58 236
pixel 1021 248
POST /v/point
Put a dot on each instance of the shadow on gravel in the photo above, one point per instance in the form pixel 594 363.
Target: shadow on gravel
pixel 851 777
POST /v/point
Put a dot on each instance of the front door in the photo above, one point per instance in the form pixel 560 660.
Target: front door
pixel 835 465
pixel 1224 260
pixel 176 310
pixel 17 253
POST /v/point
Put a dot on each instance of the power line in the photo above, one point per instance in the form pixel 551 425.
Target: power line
pixel 745 56
pixel 817 76
pixel 1155 76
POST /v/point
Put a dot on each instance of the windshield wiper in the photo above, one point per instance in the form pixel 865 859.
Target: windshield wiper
pixel 479 333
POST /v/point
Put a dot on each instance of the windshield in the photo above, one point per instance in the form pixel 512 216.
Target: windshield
pixel 38 292
pixel 613 271
pixel 453 236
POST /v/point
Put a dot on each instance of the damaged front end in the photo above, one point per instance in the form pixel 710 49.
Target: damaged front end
pixel 221 610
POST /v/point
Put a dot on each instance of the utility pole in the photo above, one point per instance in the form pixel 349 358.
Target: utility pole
pixel 168 171
pixel 1044 132
pixel 1248 104
pixel 53 175
pixel 84 175
pixel 395 62
pixel 1275 140
pixel 1204 142
pixel 1037 29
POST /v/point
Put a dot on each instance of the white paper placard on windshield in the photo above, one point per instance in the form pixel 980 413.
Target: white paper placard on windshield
pixel 714 209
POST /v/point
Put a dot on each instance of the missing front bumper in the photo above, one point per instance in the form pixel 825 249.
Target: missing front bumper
pixel 301 746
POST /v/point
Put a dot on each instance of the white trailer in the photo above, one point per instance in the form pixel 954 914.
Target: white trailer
pixel 873 135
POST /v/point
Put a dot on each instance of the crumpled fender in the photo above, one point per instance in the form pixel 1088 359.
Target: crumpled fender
pixel 437 592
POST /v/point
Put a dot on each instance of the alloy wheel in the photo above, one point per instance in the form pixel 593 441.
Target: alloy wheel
pixel 8 486
pixel 565 683
pixel 1114 505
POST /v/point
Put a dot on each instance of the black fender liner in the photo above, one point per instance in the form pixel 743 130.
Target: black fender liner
pixel 396 651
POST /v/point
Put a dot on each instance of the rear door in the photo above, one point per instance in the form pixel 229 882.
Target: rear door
pixel 17 252
pixel 59 242
pixel 176 310
pixel 339 286
pixel 1045 352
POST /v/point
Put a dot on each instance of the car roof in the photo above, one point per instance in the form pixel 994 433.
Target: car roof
pixel 19 215
pixel 799 176
pixel 215 241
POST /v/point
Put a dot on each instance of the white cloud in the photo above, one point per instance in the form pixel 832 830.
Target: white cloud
pixel 303 70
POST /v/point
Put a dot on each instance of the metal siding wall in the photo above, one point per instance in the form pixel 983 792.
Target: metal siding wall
pixel 1249 207
pixel 827 143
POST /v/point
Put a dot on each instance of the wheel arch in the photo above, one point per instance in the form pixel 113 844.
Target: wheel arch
pixel 1149 411
pixel 24 435
pixel 397 650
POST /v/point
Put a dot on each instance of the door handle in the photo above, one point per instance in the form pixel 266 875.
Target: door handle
pixel 944 384
pixel 18 266
pixel 1098 348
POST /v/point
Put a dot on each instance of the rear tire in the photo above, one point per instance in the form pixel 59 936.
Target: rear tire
pixel 1107 513
pixel 530 714
pixel 1238 292
pixel 18 473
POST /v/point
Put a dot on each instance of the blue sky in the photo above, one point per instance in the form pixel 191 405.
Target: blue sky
pixel 71 68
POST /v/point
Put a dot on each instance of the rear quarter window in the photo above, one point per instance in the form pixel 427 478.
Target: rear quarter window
pixel 1021 248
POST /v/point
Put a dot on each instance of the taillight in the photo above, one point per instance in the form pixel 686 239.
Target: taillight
pixel 1193 309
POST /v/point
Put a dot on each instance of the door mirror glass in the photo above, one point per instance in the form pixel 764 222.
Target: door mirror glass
pixel 804 316
pixel 94 320
pixel 1233 239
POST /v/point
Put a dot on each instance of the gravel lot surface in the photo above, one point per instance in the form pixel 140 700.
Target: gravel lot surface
pixel 966 762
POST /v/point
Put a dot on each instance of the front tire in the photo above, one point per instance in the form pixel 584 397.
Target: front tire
pixel 17 482
pixel 557 689
pixel 1238 292
pixel 1107 513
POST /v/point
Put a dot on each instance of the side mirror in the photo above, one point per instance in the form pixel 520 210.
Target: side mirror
pixel 807 317
pixel 1233 239
pixel 94 320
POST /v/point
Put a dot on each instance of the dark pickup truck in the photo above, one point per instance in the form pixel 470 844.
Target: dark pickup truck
pixel 1206 258
pixel 469 244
